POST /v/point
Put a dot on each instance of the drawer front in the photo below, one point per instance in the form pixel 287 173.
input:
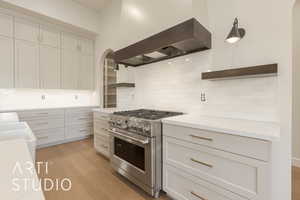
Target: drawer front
pixel 42 124
pixel 238 174
pixel 37 114
pixel 79 118
pixel 100 126
pixel 181 186
pixel 101 143
pixel 101 116
pixel 79 130
pixel 75 111
pixel 253 148
pixel 50 136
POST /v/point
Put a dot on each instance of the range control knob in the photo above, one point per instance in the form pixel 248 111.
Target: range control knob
pixel 147 129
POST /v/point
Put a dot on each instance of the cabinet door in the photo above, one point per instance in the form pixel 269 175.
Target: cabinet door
pixel 6 62
pixel 49 67
pixel 70 67
pixel 69 42
pixel 26 30
pixel 6 25
pixel 86 72
pixel 86 46
pixel 27 64
pixel 49 36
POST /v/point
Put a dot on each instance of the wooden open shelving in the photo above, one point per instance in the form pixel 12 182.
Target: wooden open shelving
pixel 116 85
pixel 255 71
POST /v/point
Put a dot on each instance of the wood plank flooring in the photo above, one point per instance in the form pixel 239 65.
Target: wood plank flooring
pixel 92 177
pixel 296 183
pixel 90 173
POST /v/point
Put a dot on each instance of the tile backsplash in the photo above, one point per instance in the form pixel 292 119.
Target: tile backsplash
pixel 176 85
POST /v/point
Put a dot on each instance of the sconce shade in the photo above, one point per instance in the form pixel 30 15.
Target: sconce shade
pixel 236 33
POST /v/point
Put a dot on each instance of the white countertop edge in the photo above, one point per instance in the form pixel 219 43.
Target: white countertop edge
pixel 254 135
pixel 48 108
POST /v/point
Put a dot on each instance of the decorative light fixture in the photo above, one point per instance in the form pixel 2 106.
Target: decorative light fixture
pixel 236 33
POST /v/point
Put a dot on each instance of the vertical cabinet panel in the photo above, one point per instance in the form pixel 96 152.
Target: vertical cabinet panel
pixel 26 64
pixel 6 63
pixel 70 67
pixel 6 25
pixel 86 46
pixel 49 67
pixel 69 42
pixel 26 30
pixel 86 72
pixel 50 37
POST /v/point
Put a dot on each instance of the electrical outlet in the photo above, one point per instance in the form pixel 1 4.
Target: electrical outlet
pixel 203 97
pixel 76 97
pixel 43 97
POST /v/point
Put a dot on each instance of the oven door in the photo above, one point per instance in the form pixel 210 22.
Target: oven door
pixel 133 157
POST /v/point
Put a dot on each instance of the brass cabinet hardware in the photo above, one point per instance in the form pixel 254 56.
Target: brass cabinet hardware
pixel 43 137
pixel 199 197
pixel 201 163
pixel 202 138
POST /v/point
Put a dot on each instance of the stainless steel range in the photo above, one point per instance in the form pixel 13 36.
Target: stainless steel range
pixel 136 146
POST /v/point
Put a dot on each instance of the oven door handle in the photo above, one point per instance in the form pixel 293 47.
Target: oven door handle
pixel 146 141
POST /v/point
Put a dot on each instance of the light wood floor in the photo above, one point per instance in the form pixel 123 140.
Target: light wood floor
pixel 296 183
pixel 90 173
pixel 92 177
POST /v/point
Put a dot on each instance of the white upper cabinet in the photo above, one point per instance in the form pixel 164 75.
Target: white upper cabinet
pixel 49 36
pixel 26 64
pixel 6 62
pixel 70 69
pixel 6 25
pixel 69 42
pixel 26 30
pixel 49 67
pixel 86 46
pixel 86 72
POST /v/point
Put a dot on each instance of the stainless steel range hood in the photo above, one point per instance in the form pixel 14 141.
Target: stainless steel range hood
pixel 182 39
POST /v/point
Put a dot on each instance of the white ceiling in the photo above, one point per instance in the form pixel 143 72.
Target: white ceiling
pixel 94 4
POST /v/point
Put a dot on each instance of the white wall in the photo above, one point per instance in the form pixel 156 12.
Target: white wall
pixel 177 86
pixel 296 84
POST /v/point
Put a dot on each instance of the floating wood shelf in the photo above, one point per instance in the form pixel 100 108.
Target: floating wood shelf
pixel 255 71
pixel 122 85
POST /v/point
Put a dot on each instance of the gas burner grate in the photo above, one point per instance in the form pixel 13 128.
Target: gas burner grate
pixel 147 114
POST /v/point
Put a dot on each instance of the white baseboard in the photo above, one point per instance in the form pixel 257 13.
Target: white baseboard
pixel 296 162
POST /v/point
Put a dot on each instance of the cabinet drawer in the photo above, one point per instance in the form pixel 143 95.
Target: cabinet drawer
pixel 100 126
pixel 238 174
pixel 72 111
pixel 79 118
pixel 37 114
pixel 50 136
pixel 101 116
pixel 181 186
pixel 79 130
pixel 41 124
pixel 258 149
pixel 101 144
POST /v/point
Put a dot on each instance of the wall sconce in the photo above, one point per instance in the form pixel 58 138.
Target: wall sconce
pixel 236 33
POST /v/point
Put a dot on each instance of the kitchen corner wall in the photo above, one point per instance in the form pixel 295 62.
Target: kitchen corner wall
pixel 176 84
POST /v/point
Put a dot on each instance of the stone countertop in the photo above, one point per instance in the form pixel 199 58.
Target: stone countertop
pixel 8 117
pixel 247 128
pixel 14 170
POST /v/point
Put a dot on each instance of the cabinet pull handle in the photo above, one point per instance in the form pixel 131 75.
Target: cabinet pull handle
pixel 83 130
pixel 201 163
pixel 199 197
pixel 83 119
pixel 104 146
pixel 202 138
pixel 43 137
pixel 42 123
pixel 45 113
pixel 105 129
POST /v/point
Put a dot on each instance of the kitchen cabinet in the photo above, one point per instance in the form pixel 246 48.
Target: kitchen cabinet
pixel 6 62
pixel 50 67
pixel 26 64
pixel 49 36
pixel 86 46
pixel 86 72
pixel 6 25
pixel 69 42
pixel 70 69
pixel 26 30
pixel 230 166
pixel 101 135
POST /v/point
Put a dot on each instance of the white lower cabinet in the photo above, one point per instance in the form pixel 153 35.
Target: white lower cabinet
pixel 56 126
pixel 6 62
pixel 26 64
pixel 187 162
pixel 101 135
